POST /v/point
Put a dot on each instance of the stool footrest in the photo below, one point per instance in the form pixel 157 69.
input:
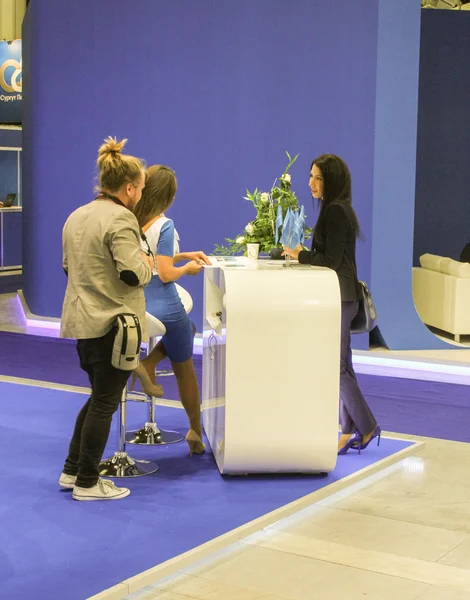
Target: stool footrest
pixel 152 435
pixel 122 465
pixel 164 373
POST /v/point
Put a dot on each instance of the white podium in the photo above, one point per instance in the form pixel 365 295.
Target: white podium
pixel 271 350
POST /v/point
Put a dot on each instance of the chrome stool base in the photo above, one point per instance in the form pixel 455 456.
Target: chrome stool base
pixel 122 465
pixel 152 435
pixel 164 373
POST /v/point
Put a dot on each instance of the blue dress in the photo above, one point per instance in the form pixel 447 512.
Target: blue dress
pixel 163 301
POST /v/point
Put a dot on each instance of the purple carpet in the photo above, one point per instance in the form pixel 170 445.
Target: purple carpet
pixel 402 405
pixel 55 360
pixel 54 548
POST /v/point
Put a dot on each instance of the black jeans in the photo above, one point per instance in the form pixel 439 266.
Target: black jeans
pixel 354 413
pixel 94 420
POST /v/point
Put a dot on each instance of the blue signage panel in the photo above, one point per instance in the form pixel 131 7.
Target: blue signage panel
pixel 11 82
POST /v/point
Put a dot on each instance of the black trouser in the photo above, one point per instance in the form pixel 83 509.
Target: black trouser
pixel 355 414
pixel 94 420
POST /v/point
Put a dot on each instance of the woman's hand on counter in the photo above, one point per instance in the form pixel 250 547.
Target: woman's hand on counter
pixel 193 267
pixel 198 256
pixel 292 252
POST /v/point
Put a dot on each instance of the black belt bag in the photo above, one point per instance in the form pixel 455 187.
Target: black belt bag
pixel 127 340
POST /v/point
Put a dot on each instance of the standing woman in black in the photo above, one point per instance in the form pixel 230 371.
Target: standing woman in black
pixel 334 246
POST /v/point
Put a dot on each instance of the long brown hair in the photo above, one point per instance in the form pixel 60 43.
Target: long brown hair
pixel 158 193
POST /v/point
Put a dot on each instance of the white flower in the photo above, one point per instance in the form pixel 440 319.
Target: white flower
pixel 249 228
pixel 240 240
pixel 264 197
pixel 286 177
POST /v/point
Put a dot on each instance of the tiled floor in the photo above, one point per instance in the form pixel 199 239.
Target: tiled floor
pixel 403 533
pixel 10 314
pixel 11 318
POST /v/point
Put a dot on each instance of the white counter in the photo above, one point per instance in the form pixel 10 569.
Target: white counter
pixel 271 366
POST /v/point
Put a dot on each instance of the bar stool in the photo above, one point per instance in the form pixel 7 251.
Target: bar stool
pixel 121 464
pixel 150 434
pixel 185 297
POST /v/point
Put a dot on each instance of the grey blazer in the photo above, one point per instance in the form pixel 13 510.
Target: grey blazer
pixel 106 274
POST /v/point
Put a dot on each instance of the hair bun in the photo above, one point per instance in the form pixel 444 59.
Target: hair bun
pixel 111 146
pixel 116 168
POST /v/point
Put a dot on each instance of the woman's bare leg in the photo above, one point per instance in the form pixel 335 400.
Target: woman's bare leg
pixel 151 361
pixel 188 389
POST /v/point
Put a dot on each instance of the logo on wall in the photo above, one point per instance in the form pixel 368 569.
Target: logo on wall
pixel 11 82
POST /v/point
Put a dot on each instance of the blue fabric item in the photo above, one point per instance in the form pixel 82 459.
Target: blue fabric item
pixel 166 241
pixel 284 236
pixel 164 303
pixel 290 230
pixel 301 221
pixel 179 338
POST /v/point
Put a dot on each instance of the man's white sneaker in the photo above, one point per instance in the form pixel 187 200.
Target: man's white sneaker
pixel 67 481
pixel 103 490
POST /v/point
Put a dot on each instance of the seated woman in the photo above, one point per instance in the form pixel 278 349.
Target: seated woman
pixel 163 300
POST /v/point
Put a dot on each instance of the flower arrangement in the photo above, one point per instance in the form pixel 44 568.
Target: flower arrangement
pixel 262 229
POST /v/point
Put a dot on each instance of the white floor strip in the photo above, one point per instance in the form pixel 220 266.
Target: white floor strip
pixel 386 364
pixel 82 390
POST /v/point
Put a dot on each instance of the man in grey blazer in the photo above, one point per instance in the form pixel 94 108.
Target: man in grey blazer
pixel 106 273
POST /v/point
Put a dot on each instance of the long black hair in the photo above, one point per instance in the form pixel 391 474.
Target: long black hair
pixel 336 188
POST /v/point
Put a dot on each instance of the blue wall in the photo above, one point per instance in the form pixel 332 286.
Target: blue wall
pixel 216 90
pixel 395 176
pixel 442 213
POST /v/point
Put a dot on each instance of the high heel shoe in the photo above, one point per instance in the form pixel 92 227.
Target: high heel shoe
pixel 354 439
pixel 151 389
pixel 375 434
pixel 196 445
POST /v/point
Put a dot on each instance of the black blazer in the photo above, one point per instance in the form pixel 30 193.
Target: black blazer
pixel 335 248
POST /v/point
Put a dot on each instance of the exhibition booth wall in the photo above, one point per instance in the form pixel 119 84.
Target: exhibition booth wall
pixel 219 92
